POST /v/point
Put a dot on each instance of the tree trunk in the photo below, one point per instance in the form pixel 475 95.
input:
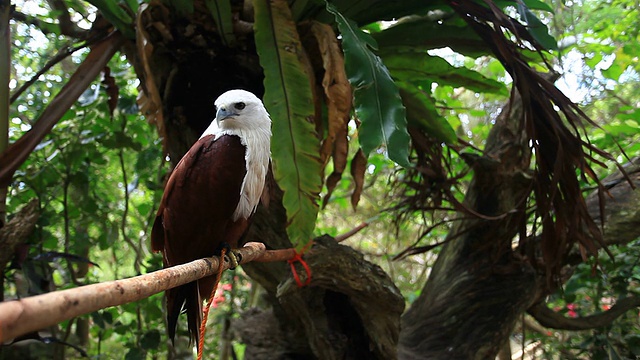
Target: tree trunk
pixel 350 310
pixel 479 287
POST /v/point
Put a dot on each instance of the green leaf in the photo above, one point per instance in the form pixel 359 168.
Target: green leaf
pixel 364 12
pixel 632 115
pixel 135 353
pixel 411 65
pixel 150 340
pixel 288 96
pixel 536 28
pixel 221 13
pixel 132 5
pixel 183 7
pixel 422 113
pixel 538 5
pixel 116 16
pixel 613 72
pixel 593 59
pixel 428 34
pixel 531 4
pixel 376 98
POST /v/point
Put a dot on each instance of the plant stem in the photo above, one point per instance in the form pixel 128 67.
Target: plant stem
pixel 5 67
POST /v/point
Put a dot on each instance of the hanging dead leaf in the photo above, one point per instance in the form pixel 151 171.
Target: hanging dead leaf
pixel 340 152
pixel 112 89
pixel 335 83
pixel 148 99
pixel 560 151
pixel 358 167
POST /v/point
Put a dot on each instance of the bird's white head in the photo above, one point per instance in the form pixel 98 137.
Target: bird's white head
pixel 240 109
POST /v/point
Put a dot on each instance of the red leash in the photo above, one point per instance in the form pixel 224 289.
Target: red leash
pixel 297 257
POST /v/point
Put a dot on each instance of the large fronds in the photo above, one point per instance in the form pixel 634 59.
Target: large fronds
pixel 289 98
pixel 555 137
pixel 376 97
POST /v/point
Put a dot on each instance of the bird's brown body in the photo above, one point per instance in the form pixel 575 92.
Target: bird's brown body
pixel 182 233
pixel 211 196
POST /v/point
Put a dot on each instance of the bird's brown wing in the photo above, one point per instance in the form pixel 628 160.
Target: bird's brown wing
pixel 194 216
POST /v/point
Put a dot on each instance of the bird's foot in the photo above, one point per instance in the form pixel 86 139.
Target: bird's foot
pixel 233 257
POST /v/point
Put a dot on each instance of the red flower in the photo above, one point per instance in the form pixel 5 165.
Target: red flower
pixel 218 300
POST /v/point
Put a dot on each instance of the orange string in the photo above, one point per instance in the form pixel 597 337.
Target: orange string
pixel 203 324
pixel 297 257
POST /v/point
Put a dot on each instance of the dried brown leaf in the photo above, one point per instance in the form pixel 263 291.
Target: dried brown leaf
pixel 335 84
pixel 340 152
pixel 149 99
pixel 112 89
pixel 560 151
pixel 358 167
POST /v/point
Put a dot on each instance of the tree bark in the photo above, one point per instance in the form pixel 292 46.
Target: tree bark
pixel 14 233
pixel 350 310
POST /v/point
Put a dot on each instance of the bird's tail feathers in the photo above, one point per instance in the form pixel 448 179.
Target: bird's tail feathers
pixel 185 298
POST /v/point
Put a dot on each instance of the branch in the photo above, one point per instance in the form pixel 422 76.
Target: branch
pixel 67 27
pixel 350 233
pixel 22 316
pixel 44 27
pixel 551 319
pixel 62 54
pixel 64 27
pixel 5 75
pixel 17 153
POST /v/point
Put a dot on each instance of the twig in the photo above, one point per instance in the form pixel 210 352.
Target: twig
pixel 125 214
pixel 62 54
pixel 67 231
pixel 275 255
pixel 67 26
pixel 551 319
pixel 44 27
pixel 351 232
pixel 22 316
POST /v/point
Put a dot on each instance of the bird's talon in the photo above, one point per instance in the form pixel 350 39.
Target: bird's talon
pixel 233 258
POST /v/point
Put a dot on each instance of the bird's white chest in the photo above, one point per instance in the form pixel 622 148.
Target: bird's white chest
pixel 256 157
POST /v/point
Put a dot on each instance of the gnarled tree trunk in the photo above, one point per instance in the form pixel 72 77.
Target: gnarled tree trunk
pixel 481 284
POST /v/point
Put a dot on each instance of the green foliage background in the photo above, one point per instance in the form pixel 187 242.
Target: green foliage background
pixel 98 175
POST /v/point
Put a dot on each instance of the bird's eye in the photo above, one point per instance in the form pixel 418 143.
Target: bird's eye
pixel 239 105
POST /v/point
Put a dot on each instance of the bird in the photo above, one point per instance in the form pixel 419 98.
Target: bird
pixel 210 197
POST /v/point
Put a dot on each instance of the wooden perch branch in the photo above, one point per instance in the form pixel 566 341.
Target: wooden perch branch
pixel 22 316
